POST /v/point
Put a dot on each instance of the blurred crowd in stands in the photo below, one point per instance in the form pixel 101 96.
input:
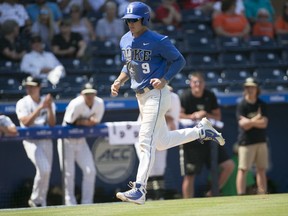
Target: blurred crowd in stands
pixel 82 36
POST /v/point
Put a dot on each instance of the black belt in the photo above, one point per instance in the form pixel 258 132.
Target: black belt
pixel 144 90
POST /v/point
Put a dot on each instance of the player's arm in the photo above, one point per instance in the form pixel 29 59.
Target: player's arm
pixel 122 78
pixel 8 129
pixel 29 119
pixel 47 103
pixel 86 122
pixel 176 61
pixel 255 122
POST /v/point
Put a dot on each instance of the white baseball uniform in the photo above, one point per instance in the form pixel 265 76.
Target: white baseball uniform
pixel 77 149
pixel 39 151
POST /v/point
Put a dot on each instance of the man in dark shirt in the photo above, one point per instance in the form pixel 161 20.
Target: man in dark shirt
pixel 252 119
pixel 11 49
pixel 198 102
pixel 68 44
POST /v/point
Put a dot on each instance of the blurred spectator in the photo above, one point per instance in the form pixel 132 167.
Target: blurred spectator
pixel 68 44
pixel 281 24
pixel 228 23
pixel 7 127
pixel 35 110
pixel 168 13
pixel 11 48
pixel 252 7
pixel 263 26
pixel 34 9
pixel 204 5
pixel 251 113
pixel 81 24
pixel 45 27
pixel 238 10
pixel 110 27
pixel 42 64
pixel 11 10
pixel 97 5
pixel 65 5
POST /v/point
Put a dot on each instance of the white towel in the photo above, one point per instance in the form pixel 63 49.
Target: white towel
pixel 123 133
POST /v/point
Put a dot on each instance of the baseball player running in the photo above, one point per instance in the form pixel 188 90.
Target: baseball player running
pixel 84 110
pixel 147 55
pixel 35 110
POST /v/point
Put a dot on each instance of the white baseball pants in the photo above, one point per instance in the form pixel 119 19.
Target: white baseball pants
pixel 154 131
pixel 41 154
pixel 77 150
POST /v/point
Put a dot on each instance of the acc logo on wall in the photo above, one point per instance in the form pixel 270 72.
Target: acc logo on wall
pixel 114 163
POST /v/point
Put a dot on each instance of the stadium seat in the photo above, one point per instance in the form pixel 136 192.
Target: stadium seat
pixel 234 59
pixel 236 75
pixel 10 89
pixel 231 44
pixel 180 81
pixel 48 88
pixel 274 87
pixel 198 28
pixel 103 81
pixel 103 48
pixel 262 43
pixel 194 15
pixel 109 65
pixel 77 66
pixel 169 30
pixel 71 86
pixel 271 75
pixel 282 40
pixel 200 43
pixel 201 61
pixel 9 67
pixel 216 88
pixel 212 77
pixel 234 88
pixel 266 58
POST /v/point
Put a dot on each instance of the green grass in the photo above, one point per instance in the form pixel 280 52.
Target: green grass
pixel 274 205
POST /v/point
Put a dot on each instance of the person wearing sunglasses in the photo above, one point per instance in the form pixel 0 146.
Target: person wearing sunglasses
pixel 150 62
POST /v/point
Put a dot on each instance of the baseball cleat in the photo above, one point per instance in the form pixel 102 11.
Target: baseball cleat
pixel 31 203
pixel 135 195
pixel 207 132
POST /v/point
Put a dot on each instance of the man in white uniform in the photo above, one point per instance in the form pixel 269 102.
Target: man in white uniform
pixel 35 110
pixel 84 110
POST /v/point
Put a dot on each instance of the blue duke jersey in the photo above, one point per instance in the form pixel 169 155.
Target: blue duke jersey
pixel 148 56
